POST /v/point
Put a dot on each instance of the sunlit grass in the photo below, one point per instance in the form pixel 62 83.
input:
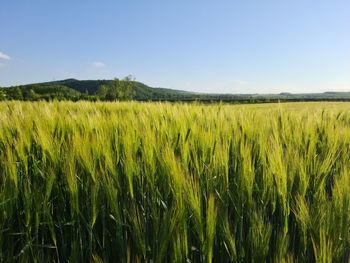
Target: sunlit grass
pixel 161 182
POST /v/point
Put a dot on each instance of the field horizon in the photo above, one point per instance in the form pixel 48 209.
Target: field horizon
pixel 129 89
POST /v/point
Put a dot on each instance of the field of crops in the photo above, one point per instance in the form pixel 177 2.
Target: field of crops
pixel 159 182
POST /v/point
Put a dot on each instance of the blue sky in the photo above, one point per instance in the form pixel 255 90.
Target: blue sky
pixel 210 46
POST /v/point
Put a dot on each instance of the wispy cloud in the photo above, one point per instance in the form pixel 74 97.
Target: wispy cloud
pixel 3 56
pixel 98 64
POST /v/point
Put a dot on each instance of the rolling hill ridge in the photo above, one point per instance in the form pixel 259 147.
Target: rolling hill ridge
pixel 73 89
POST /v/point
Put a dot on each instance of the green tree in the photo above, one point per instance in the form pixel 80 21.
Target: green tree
pixel 2 95
pixel 118 89
pixel 30 94
pixel 15 93
pixel 84 95
pixel 112 90
pixel 102 92
pixel 126 88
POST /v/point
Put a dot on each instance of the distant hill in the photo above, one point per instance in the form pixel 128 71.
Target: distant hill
pixel 72 89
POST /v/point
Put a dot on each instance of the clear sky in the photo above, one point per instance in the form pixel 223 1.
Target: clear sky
pixel 245 46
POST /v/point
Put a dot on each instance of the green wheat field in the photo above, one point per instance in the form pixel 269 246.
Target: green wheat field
pixel 162 182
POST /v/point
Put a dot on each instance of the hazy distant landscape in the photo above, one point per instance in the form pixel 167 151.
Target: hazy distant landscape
pixel 129 89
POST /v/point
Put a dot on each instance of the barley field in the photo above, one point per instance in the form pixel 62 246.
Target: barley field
pixel 161 182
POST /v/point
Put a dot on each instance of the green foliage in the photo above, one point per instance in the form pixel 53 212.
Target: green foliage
pixel 102 91
pixel 117 90
pixel 2 94
pixel 14 93
pixel 161 182
pixel 29 94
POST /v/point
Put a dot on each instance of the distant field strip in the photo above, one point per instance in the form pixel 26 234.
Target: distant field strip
pixel 162 182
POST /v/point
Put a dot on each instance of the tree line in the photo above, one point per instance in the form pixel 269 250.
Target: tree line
pixel 116 89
